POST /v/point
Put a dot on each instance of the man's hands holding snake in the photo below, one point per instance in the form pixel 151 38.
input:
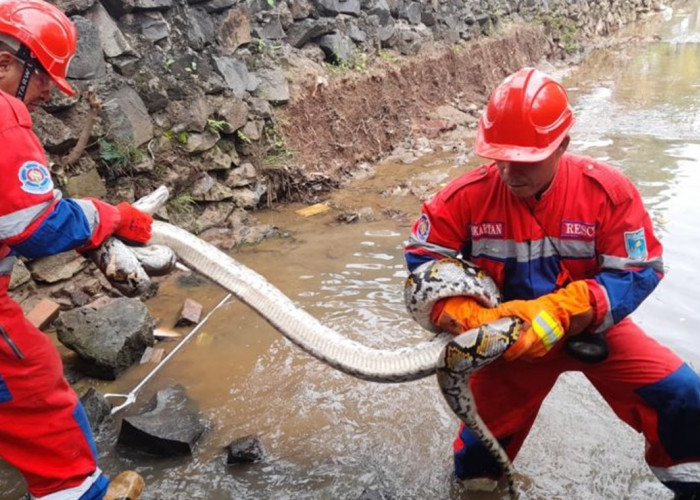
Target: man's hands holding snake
pixel 548 318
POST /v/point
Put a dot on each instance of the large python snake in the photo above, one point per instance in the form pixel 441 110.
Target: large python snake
pixel 452 358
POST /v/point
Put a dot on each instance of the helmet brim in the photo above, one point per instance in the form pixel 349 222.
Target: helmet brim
pixel 514 153
pixel 63 85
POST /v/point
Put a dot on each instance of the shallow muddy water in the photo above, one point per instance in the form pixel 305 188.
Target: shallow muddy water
pixel 327 435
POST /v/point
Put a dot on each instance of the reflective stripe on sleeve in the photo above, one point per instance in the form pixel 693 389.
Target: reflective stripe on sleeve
pixel 6 265
pixel 547 329
pixel 91 213
pixel 414 244
pixel 523 252
pixel 620 263
pixel 17 222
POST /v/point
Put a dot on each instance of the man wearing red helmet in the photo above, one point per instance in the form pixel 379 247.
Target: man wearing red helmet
pixel 43 428
pixel 569 243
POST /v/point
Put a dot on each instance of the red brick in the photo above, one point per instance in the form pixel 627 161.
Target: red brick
pixel 43 313
pixel 190 314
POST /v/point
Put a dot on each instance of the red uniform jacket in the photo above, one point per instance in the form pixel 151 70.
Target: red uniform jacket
pixel 589 224
pixel 34 219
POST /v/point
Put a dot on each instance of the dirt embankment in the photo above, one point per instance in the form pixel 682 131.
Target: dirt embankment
pixel 335 122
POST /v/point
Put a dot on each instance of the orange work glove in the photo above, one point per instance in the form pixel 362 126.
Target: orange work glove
pixel 134 225
pixel 550 317
pixel 458 314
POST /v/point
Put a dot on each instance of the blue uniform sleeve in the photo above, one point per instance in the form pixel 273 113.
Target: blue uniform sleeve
pixel 630 256
pixel 626 290
pixel 65 228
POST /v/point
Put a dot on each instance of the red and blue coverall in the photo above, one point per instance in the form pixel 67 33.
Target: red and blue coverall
pixel 44 431
pixel 590 224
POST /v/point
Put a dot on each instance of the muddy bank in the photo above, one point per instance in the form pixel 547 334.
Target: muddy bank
pixel 334 125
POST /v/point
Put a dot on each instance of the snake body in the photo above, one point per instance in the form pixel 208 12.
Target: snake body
pixel 453 359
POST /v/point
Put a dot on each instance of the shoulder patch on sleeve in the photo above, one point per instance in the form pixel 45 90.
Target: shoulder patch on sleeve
pixel 471 177
pixel 35 178
pixel 636 245
pixel 615 184
pixel 422 229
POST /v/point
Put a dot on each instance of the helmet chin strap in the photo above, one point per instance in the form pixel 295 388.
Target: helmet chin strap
pixel 29 66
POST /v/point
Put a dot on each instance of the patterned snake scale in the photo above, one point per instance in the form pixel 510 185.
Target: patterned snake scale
pixel 469 351
pixel 452 358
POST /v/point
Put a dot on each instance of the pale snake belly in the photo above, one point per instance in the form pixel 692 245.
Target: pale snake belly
pixel 451 358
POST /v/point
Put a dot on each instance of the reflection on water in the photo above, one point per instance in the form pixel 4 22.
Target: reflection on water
pixel 645 118
pixel 327 435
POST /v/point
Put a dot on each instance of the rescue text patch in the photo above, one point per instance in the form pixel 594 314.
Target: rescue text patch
pixel 487 230
pixel 577 230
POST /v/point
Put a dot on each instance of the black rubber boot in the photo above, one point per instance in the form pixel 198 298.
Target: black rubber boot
pixel 587 347
pixel 687 495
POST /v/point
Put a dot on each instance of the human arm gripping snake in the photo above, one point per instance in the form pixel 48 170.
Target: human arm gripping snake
pixel 453 359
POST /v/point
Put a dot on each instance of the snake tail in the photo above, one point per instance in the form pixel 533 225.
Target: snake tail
pixel 467 352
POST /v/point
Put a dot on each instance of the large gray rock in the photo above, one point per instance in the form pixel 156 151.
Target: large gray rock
pixel 207 188
pixel 20 275
pixel 215 159
pixel 56 136
pixel 234 112
pixel 87 63
pixel 154 26
pixel 118 8
pixel 201 30
pixel 273 86
pixel 112 40
pixel 335 7
pixel 57 267
pixel 110 339
pixel 235 29
pixel 235 74
pixel 169 426
pixel 197 143
pixel 190 115
pixel 97 408
pixel 245 450
pixel 88 183
pixel 215 6
pixel 127 118
pixel 338 47
pixel 71 7
pixel 306 30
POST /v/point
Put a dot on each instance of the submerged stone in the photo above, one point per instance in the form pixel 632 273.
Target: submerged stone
pixel 170 425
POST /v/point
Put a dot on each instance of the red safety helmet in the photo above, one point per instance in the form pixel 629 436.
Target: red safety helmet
pixel 46 31
pixel 526 119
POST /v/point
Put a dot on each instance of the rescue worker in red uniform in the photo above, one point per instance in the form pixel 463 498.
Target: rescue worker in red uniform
pixel 571 247
pixel 44 431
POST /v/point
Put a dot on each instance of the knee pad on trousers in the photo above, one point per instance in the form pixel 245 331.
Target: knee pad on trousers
pixel 676 400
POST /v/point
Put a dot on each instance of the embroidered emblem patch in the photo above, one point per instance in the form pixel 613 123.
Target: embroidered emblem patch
pixel 35 178
pixel 423 228
pixel 636 245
